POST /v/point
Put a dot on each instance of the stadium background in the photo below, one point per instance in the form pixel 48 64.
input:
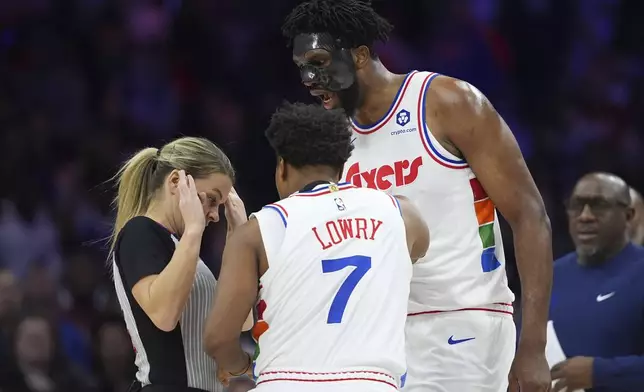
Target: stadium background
pixel 83 83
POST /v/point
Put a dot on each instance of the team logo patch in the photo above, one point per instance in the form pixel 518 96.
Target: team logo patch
pixel 402 117
pixel 333 188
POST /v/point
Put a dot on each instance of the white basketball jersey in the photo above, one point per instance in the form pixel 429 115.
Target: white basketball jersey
pixel 333 303
pixel 464 267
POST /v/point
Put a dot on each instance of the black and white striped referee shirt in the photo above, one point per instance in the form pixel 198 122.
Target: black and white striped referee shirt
pixel 175 358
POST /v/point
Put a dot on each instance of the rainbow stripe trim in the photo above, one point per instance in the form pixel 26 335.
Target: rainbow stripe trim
pixel 259 329
pixel 484 208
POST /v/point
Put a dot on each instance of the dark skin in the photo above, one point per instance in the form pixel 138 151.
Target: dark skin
pixel 318 50
pixel 244 261
pixel 637 224
pixel 599 214
pixel 573 374
pixel 466 124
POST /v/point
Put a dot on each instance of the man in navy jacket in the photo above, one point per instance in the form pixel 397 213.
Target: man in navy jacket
pixel 637 224
pixel 597 305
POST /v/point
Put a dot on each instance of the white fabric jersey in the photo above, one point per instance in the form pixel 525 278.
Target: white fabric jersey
pixel 333 303
pixel 464 267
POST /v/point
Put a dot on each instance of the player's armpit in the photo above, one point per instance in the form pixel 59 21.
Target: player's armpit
pixel 415 227
pixel 234 298
pixel 462 115
pixel 250 321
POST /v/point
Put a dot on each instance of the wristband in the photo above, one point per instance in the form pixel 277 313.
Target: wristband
pixel 250 363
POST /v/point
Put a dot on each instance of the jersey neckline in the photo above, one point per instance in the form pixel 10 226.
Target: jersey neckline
pixel 369 128
pixel 323 188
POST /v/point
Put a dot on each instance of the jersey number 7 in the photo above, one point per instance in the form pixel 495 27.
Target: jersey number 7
pixel 362 264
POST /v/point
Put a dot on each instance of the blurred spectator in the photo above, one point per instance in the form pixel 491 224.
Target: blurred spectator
pixel 27 234
pixel 10 301
pixel 82 305
pixel 39 366
pixel 41 290
pixel 597 307
pixel 116 358
pixel 637 224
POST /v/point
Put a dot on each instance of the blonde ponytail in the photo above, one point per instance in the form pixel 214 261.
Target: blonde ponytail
pixel 134 193
pixel 140 177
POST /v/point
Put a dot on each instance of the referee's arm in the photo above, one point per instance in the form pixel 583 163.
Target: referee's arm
pixel 160 281
pixel 235 297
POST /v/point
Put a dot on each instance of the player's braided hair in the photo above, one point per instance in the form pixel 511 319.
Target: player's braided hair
pixel 309 135
pixel 353 22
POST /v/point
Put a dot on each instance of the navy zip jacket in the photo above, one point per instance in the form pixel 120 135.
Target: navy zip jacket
pixel 599 312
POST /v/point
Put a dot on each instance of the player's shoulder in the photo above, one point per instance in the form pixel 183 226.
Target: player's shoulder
pixel 446 92
pixel 374 198
pixel 370 191
pixel 278 209
pixel 364 192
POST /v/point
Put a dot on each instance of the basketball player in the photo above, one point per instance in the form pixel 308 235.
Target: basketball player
pixel 333 263
pixel 441 143
pixel 637 223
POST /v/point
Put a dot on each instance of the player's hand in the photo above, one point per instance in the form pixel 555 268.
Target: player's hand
pixel 530 372
pixel 235 211
pixel 223 377
pixel 190 204
pixel 573 374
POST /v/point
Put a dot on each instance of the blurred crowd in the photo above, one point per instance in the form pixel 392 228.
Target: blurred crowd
pixel 83 83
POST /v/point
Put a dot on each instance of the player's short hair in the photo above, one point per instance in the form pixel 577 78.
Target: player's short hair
pixel 353 22
pixel 309 135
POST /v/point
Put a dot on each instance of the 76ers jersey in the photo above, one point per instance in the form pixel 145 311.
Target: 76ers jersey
pixel 333 302
pixel 464 266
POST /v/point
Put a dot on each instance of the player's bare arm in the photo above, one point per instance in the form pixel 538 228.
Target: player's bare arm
pixel 467 124
pixel 415 227
pixel 234 299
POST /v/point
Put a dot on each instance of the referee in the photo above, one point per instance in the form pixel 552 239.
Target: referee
pixel 164 288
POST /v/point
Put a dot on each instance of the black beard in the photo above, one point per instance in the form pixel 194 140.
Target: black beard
pixel 350 99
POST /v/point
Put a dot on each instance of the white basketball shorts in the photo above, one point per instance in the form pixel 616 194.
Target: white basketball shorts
pixel 468 350
pixel 339 386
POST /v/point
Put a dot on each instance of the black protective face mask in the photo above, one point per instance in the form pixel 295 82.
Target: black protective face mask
pixel 339 75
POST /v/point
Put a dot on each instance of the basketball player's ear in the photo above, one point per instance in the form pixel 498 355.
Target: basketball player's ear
pixel 281 169
pixel 630 214
pixel 361 56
